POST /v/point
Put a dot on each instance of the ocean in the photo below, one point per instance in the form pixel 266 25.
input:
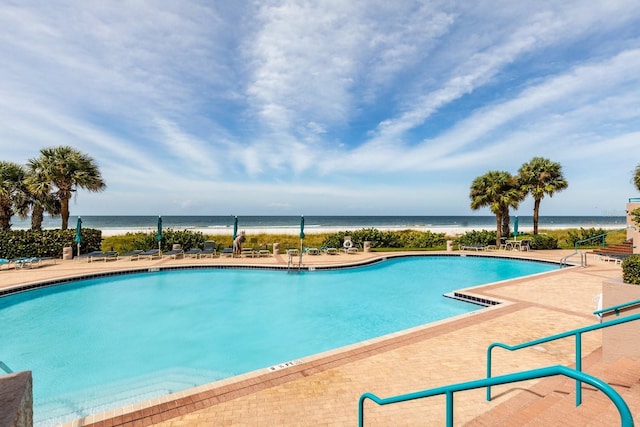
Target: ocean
pixel 319 224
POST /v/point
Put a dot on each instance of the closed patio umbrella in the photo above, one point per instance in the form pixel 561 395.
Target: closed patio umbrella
pixel 78 238
pixel 159 234
pixel 515 228
pixel 301 232
pixel 235 227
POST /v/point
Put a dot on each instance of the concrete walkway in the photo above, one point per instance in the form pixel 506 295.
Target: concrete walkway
pixel 324 389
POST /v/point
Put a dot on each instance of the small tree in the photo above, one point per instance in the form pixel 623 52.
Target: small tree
pixel 67 169
pixel 497 190
pixel 636 177
pixel 12 192
pixel 541 177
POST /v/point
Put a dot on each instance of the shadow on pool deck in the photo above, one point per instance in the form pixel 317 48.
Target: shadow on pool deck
pixel 324 389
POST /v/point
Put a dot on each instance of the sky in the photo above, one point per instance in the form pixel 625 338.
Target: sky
pixel 333 107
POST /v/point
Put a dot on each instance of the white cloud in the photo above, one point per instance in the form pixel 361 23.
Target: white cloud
pixel 334 105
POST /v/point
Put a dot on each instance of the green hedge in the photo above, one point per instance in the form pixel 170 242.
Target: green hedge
pixel 631 269
pixel 576 236
pixel 46 243
pixel 542 241
pixel 132 241
pixel 474 237
pixel 388 239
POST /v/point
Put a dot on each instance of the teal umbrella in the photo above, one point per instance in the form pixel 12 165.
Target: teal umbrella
pixel 159 234
pixel 301 233
pixel 235 228
pixel 515 228
pixel 78 238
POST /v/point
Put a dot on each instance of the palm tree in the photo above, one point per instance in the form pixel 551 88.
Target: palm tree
pixel 499 191
pixel 541 177
pixel 67 169
pixel 12 191
pixel 40 194
pixel 636 178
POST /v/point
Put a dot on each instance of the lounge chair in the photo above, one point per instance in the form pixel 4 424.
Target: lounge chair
pixel 476 247
pixel 227 252
pixel 193 253
pixel 131 254
pixel 264 253
pixel 150 254
pixel 174 253
pixel 248 252
pixel 88 255
pixel 293 252
pixel 331 251
pixel 31 262
pixel 351 251
pixel 104 256
pixel 4 261
pixel 209 249
pixel 313 251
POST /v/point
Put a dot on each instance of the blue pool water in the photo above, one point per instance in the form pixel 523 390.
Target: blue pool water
pixel 102 343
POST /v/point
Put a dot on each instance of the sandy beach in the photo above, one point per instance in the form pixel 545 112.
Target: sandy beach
pixel 449 231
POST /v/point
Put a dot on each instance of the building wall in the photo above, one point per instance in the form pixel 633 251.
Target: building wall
pixel 621 340
pixel 16 400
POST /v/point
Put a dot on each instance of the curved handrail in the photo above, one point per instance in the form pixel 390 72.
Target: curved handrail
pixel 623 409
pixel 5 367
pixel 583 259
pixel 578 347
pixel 616 308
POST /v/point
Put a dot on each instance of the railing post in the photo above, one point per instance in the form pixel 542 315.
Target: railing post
pixel 578 367
pixel 489 371
pixel 449 394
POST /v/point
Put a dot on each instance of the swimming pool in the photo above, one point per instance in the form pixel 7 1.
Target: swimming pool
pixel 102 343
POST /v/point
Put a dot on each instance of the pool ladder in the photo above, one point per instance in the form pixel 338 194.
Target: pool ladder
pixel 291 268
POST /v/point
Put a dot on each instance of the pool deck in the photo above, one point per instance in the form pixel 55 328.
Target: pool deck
pixel 323 390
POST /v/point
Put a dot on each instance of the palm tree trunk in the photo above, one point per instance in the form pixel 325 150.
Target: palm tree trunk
pixel 64 211
pixel 536 214
pixel 37 216
pixel 498 228
pixel 506 221
pixel 5 218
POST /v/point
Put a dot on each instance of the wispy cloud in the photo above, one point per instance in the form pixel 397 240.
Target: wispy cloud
pixel 334 105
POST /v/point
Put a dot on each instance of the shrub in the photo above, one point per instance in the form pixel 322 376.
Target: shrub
pixel 387 239
pixel 631 269
pixel 586 234
pixel 542 241
pixel 474 237
pixel 46 243
pixel 131 241
pixel 421 239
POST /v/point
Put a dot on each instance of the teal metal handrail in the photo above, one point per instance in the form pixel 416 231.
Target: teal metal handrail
pixel 578 347
pixel 616 308
pixel 626 420
pixel 5 368
pixel 602 236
